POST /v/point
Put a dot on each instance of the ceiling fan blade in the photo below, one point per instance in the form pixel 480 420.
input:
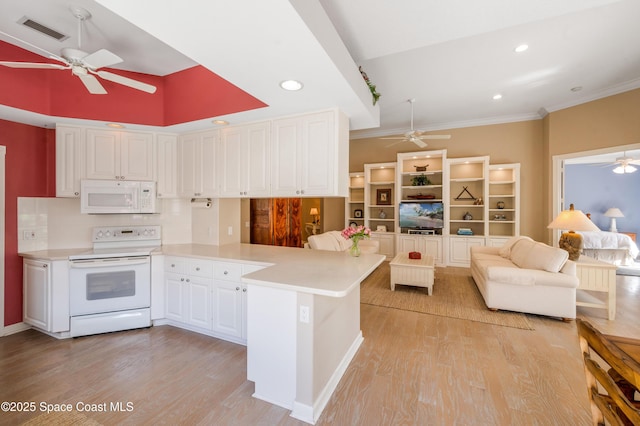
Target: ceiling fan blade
pixel 40 65
pixel 126 81
pixel 436 137
pixel 396 137
pixel 92 84
pixel 394 143
pixel 418 142
pixel 101 58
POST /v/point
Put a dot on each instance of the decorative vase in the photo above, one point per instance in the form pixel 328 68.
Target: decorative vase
pixel 382 214
pixel 355 249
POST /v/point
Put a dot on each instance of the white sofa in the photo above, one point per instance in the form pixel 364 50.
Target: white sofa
pixel 526 276
pixel 334 241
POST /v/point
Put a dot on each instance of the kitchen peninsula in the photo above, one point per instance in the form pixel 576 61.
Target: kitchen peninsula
pixel 303 318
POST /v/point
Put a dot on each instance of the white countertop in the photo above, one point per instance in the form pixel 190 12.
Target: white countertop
pixel 320 272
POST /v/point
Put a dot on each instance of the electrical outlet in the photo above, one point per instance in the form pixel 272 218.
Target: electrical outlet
pixel 230 230
pixel 29 234
pixel 304 314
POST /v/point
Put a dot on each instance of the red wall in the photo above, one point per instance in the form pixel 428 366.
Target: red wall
pixel 30 172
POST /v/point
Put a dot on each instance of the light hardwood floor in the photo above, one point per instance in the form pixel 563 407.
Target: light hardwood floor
pixel 412 369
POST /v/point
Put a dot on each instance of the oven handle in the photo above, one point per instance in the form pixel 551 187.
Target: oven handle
pixel 87 264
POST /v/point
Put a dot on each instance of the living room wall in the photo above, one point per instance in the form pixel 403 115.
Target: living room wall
pixel 603 123
pixel 520 142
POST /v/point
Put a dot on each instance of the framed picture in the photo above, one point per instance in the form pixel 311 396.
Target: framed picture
pixel 381 228
pixel 383 196
pixel 357 213
pixel 353 225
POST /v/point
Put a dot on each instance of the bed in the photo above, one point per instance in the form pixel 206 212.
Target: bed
pixel 610 247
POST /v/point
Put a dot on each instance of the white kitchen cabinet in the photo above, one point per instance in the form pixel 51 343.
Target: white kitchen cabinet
pixel 227 310
pixel 69 160
pixel 309 155
pixel 426 244
pixel 460 249
pixel 386 240
pixel 46 294
pixel 197 164
pixel 167 166
pixel 243 161
pixel 119 155
pixel 188 284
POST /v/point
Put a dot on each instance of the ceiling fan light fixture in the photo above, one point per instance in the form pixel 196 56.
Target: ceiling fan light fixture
pixel 291 85
pixel 624 168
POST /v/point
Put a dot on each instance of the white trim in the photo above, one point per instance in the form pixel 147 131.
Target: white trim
pixel 3 152
pixel 15 328
pixel 310 414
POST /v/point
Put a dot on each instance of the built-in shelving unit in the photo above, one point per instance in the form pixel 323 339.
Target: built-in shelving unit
pixel 379 196
pixel 467 195
pixel 503 202
pixel 354 206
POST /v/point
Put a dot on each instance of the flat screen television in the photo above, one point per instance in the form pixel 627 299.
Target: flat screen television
pixel 421 215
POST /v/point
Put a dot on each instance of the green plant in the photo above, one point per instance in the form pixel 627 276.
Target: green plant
pixel 420 180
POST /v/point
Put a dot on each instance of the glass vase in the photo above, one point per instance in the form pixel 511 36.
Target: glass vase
pixel 355 248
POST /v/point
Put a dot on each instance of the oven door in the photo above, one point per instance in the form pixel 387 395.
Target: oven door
pixel 109 285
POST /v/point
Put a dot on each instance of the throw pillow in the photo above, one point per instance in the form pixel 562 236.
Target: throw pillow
pixel 534 255
pixel 505 250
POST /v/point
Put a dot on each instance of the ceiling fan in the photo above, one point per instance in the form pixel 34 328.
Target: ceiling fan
pixel 85 66
pixel 416 136
pixel 624 164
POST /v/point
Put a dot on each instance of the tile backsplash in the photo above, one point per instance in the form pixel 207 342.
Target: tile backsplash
pixel 56 223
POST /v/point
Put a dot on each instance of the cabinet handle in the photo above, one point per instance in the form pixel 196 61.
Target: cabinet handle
pixel 302 192
pixel 45 265
pixel 173 265
pixel 237 288
pixel 226 272
pixel 188 280
pixel 298 192
pixel 244 290
pixel 181 279
pixel 76 193
pixel 197 268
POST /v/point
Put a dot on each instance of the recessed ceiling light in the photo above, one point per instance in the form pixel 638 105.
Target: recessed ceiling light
pixel 220 122
pixel 521 48
pixel 292 85
pixel 115 125
pixel 497 96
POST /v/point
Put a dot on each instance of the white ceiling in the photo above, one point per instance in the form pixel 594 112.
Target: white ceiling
pixel 452 56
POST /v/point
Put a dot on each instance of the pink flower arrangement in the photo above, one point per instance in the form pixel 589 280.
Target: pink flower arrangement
pixel 356 233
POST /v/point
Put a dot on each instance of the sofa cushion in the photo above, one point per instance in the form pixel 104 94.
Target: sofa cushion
pixel 533 255
pixel 505 250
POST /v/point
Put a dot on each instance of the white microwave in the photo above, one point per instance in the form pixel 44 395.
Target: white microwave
pixel 117 196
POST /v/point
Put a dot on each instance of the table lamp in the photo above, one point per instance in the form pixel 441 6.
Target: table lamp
pixel 316 215
pixel 613 212
pixel 572 220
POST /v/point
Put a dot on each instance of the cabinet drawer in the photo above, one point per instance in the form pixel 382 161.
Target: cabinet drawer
pixel 176 265
pixel 228 271
pixel 201 268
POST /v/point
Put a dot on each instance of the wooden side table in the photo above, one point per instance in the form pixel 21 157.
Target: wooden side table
pixel 631 234
pixel 415 272
pixel 596 276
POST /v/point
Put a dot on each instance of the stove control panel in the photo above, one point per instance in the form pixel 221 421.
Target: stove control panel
pixel 126 233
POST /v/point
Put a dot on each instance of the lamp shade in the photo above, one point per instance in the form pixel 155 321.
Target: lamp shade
pixel 614 212
pixel 573 220
pixel 314 211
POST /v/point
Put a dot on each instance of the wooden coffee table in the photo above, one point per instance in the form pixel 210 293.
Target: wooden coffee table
pixel 414 272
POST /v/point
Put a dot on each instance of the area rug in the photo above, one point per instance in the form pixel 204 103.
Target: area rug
pixel 633 270
pixel 455 295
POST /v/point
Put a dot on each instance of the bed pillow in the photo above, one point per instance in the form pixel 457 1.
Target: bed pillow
pixel 533 255
pixel 505 250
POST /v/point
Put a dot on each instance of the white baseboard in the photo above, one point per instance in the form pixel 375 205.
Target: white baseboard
pixel 310 414
pixel 15 328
